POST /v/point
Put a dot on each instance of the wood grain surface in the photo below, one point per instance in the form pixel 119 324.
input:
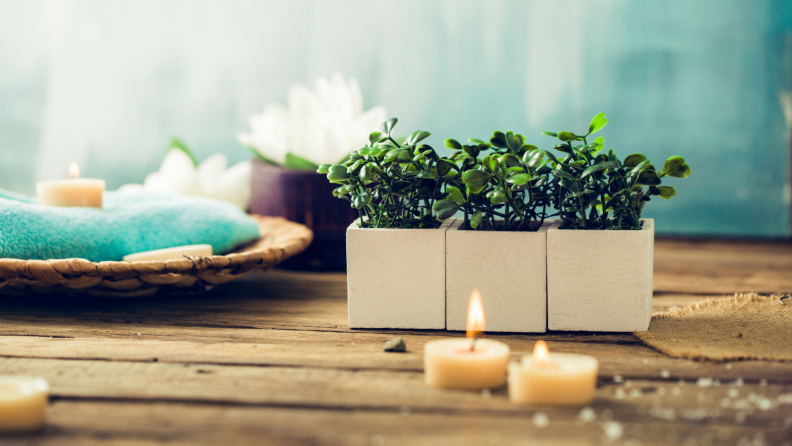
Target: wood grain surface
pixel 270 360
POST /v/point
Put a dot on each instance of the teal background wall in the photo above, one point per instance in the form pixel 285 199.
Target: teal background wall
pixel 108 83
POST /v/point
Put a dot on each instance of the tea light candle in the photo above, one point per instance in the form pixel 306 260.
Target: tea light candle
pixel 554 379
pixel 469 363
pixel 74 191
pixel 175 253
pixel 23 404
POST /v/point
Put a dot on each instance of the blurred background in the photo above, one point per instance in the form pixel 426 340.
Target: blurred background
pixel 109 83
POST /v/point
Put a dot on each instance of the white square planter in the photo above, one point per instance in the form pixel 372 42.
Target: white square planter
pixel 396 277
pixel 600 280
pixel 510 271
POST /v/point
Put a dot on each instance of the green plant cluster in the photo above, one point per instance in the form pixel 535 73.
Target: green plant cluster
pixel 503 184
pixel 392 184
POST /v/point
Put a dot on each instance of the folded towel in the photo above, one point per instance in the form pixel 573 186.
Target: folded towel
pixel 129 223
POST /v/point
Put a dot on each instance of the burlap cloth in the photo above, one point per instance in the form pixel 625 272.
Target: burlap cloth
pixel 744 326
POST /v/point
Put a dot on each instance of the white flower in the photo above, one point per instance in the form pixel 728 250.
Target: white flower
pixel 321 126
pixel 212 178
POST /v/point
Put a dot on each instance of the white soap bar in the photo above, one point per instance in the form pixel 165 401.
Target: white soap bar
pixel 175 253
pixel 23 403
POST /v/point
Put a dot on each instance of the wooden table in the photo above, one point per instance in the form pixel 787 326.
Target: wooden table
pixel 270 360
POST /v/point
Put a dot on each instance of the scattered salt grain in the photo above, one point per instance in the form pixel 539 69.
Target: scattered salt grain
pixel 785 398
pixel 619 393
pixel 733 393
pixel 725 403
pixel 587 415
pixel 613 430
pixel 738 382
pixel 618 379
pixel 763 383
pixel 676 391
pixel 541 420
pixel 665 373
pixel 704 382
pixel 636 392
pixel 486 393
pixel 660 412
pixel 728 366
pixel 628 383
pixel 716 382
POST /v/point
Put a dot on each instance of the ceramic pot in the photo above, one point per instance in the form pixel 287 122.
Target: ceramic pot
pixel 396 277
pixel 510 271
pixel 304 197
pixel 600 280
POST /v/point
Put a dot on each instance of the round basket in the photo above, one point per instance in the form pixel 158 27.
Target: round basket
pixel 280 239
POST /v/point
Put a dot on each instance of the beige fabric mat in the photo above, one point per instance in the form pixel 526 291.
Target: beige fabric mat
pixel 744 326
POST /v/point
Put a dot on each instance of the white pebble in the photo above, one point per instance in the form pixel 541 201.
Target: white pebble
pixel 728 366
pixel 619 393
pixel 587 415
pixel 486 393
pixel 733 393
pixel 665 373
pixel 541 420
pixel 785 398
pixel 618 379
pixel 704 382
pixel 613 430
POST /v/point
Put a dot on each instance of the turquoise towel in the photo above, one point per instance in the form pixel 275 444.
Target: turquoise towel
pixel 129 223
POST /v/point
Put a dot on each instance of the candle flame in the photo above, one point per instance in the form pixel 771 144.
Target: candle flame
pixel 475 316
pixel 541 353
pixel 74 170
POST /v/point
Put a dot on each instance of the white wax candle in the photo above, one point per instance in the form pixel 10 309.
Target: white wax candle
pixel 74 191
pixel 558 379
pixel 23 404
pixel 175 253
pixel 449 363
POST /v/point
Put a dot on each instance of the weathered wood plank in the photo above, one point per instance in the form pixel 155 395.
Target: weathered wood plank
pixel 88 423
pixel 334 389
pixel 363 351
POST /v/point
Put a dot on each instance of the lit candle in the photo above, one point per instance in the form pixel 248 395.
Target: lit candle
pixel 175 253
pixel 470 363
pixel 555 379
pixel 23 404
pixel 74 191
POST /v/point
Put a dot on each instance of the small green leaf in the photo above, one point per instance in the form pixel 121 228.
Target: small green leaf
pixel 366 172
pixel 632 177
pixel 298 163
pixel 553 134
pixel 416 137
pixel 567 136
pixel 597 123
pixel 592 169
pixel 336 176
pixel 633 160
pixel 676 167
pixel 374 137
pixel 514 142
pixel 474 175
pixel 473 151
pixel 455 195
pixel 519 179
pixel 498 139
pixel 388 125
pixel 443 167
pixel 562 174
pixel 666 192
pixel 475 187
pixel 649 178
pixel 453 144
pixel 324 168
pixel 445 209
pixel 475 219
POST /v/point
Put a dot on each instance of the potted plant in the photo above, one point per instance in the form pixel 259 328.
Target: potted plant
pixel 319 126
pixel 600 251
pixel 503 191
pixel 396 238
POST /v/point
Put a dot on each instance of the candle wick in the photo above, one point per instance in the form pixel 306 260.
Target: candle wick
pixel 473 343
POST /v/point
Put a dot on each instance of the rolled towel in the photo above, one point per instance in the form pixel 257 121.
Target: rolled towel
pixel 129 223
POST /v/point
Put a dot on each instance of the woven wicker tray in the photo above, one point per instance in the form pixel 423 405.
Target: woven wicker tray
pixel 280 239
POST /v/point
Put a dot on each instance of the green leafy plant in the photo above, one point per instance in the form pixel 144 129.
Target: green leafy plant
pixel 392 184
pixel 596 190
pixel 503 184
